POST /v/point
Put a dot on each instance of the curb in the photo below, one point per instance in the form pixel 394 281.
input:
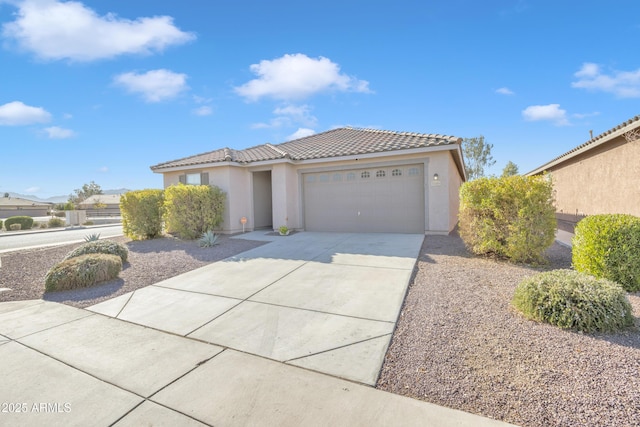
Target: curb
pixel 53 230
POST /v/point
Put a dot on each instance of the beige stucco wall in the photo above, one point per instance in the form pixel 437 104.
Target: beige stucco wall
pixel 441 196
pixel 604 180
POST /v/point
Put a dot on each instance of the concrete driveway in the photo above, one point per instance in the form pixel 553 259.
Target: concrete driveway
pixel 324 301
pixel 208 347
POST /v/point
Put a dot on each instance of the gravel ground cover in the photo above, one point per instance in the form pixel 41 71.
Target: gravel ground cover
pixel 459 344
pixel 150 261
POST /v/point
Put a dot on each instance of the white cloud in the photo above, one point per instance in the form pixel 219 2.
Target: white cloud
pixel 624 84
pixel 551 112
pixel 69 30
pixel 301 133
pixel 505 91
pixel 297 77
pixel 55 132
pixel 17 113
pixel 298 114
pixel 585 115
pixel 205 110
pixel 289 115
pixel 32 190
pixel 155 85
pixel 103 169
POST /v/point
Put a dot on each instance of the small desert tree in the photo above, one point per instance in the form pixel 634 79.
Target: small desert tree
pixel 510 169
pixel 477 156
pixel 82 194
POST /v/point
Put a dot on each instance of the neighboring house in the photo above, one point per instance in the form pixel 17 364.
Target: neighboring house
pixel 598 177
pixel 111 202
pixel 15 206
pixel 347 180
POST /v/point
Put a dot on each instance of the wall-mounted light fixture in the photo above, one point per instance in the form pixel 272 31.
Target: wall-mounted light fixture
pixel 435 177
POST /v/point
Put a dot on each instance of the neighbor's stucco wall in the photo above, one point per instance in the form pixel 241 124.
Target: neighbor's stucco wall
pixel 603 180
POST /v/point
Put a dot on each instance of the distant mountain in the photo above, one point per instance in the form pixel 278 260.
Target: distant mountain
pixel 56 199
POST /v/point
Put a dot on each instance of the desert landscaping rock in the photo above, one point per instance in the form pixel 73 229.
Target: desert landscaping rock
pixel 459 343
pixel 150 261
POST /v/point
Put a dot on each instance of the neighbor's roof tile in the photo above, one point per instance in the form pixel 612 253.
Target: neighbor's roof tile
pixel 333 143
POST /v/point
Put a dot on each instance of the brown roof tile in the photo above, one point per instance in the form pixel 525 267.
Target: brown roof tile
pixel 333 143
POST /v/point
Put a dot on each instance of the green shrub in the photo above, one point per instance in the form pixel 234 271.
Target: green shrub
pixel 570 299
pixel 60 214
pixel 1 224
pixel 142 213
pixel 56 222
pixel 608 246
pixel 511 217
pixel 15 227
pixel 100 247
pixel 191 210
pixel 82 271
pixel 26 222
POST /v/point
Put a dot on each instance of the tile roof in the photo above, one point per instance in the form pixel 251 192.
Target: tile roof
pixel 333 143
pixel 592 143
pixel 17 201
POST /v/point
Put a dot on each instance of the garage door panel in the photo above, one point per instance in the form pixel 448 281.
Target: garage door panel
pixel 389 199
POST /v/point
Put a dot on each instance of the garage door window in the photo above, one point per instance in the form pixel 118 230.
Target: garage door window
pixel 414 171
pixel 337 177
pixel 396 172
pixel 365 175
pixel 381 174
pixel 351 176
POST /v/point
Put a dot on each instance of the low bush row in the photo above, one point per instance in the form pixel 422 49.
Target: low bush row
pixel 24 222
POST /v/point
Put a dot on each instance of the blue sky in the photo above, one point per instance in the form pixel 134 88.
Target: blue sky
pixel 99 91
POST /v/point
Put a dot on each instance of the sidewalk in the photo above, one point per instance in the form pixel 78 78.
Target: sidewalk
pixel 564 238
pixel 67 366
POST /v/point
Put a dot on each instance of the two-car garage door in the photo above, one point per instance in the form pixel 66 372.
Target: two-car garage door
pixel 381 199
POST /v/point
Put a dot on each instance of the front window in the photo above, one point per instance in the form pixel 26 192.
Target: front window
pixel 193 178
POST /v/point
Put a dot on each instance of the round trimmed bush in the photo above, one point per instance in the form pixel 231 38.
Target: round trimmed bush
pixel 26 222
pixel 100 247
pixel 574 300
pixel 55 222
pixel 82 271
pixel 608 246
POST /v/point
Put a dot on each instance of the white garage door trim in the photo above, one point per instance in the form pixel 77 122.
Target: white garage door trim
pixel 388 198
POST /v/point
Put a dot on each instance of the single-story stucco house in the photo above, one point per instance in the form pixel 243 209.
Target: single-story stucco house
pixel 111 202
pixel 344 180
pixel 16 206
pixel 601 176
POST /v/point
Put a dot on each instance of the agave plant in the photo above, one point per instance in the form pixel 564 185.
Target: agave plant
pixel 92 237
pixel 208 239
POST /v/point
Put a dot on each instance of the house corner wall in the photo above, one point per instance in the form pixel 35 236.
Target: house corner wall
pixel 442 193
pixel 286 196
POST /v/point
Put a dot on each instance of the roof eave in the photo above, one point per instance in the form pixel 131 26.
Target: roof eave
pixel 585 147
